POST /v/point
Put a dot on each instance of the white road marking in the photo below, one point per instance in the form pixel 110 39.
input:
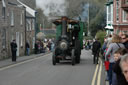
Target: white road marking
pixel 10 66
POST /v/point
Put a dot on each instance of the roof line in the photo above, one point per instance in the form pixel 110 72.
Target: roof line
pixel 28 9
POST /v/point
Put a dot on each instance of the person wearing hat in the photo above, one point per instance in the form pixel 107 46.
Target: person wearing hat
pixel 13 50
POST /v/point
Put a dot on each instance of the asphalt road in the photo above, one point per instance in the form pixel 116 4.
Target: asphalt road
pixel 40 71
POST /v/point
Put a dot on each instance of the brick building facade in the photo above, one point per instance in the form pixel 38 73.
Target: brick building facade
pixel 120 21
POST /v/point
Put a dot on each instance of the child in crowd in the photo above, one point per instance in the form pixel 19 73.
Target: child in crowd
pixel 120 79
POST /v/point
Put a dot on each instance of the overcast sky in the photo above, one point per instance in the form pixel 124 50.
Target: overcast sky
pixel 58 3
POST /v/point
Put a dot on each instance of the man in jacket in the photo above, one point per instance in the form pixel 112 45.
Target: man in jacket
pixel 13 50
pixel 96 50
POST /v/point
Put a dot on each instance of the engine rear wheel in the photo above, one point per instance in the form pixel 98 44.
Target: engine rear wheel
pixel 54 59
pixel 73 57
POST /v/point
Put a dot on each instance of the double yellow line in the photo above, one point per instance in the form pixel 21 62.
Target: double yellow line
pixel 97 74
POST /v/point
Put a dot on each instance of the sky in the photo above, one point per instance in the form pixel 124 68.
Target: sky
pixel 58 6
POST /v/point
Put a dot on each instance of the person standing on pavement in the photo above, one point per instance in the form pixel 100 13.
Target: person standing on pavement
pixel 116 68
pixel 96 49
pixel 27 48
pixel 125 40
pixel 36 47
pixel 114 46
pixel 13 50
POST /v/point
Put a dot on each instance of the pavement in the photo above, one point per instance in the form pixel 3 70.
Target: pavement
pixel 7 62
pixel 107 82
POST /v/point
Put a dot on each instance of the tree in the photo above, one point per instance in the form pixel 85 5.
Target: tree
pixel 96 13
pixel 42 19
pixel 76 9
pixel 101 35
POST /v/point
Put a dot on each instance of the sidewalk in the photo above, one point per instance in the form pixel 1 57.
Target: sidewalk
pixel 7 62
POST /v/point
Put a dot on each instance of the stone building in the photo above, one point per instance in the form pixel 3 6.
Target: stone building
pixel 30 23
pixel 12 26
pixel 16 22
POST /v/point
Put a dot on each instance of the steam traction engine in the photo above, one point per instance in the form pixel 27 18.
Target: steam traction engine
pixel 69 40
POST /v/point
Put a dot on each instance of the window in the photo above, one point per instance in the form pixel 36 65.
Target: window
pixel 33 43
pixel 3 12
pixel 109 13
pixel 124 16
pixel 33 24
pixel 125 32
pixel 117 11
pixel 21 20
pixel 30 25
pixel 12 38
pixel 117 31
pixel 4 38
pixel 3 8
pixel 12 18
pixel 21 43
pixel 126 1
pixel 27 25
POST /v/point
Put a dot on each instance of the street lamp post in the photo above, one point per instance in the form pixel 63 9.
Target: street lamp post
pixel 88 20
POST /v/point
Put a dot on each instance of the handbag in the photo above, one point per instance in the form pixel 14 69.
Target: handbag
pixel 106 63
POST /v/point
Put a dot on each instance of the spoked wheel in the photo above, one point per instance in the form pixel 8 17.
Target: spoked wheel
pixel 73 57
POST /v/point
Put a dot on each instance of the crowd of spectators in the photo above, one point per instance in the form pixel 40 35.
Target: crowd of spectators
pixel 115 50
pixel 44 46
